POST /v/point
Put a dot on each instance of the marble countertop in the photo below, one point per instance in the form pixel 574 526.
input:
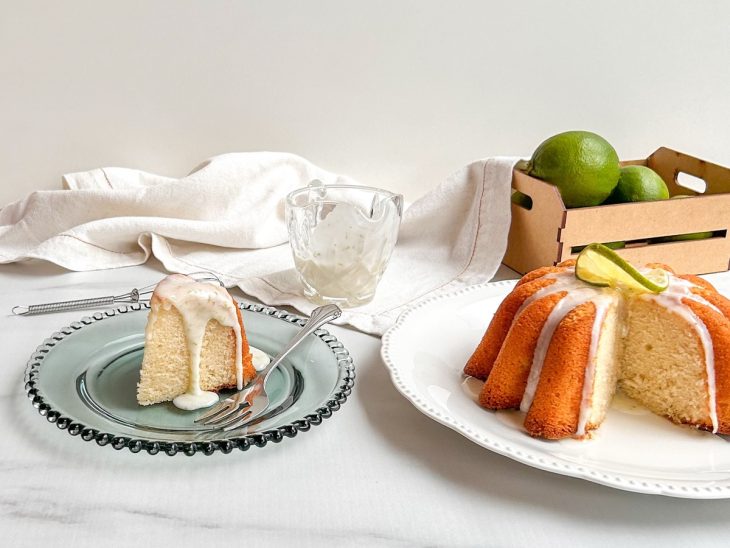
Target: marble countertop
pixel 378 473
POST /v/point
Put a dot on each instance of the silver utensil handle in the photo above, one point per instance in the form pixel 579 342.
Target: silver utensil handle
pixel 62 306
pixel 317 319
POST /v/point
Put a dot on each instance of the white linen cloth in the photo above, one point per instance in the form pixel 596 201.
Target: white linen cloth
pixel 227 217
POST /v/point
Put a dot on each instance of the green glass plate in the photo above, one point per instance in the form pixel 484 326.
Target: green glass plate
pixel 84 379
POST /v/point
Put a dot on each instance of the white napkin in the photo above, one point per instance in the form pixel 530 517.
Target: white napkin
pixel 227 217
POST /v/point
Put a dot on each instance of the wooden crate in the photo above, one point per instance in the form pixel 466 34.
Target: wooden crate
pixel 548 232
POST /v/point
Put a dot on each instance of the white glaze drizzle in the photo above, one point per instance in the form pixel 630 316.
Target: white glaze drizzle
pixel 259 358
pixel 671 299
pixel 602 305
pixel 564 281
pixel 577 294
pixel 198 303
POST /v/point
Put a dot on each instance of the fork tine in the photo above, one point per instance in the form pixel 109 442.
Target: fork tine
pixel 230 412
pixel 216 409
pixel 204 276
pixel 226 407
pixel 237 421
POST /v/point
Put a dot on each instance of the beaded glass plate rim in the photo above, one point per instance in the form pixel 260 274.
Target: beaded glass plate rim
pixel 345 383
pixel 695 489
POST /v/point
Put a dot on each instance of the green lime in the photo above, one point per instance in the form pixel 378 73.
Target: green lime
pixel 683 237
pixel 599 265
pixel 521 199
pixel 583 165
pixel 609 245
pixel 638 184
pixel 692 236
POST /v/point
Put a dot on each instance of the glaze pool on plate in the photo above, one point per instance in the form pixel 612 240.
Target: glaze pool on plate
pixel 84 379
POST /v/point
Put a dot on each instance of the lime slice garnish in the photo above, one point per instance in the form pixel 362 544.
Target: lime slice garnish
pixel 599 265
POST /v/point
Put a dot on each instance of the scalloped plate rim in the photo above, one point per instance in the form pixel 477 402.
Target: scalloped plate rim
pixel 338 396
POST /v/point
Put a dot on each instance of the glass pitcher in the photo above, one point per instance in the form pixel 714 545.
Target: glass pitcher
pixel 342 237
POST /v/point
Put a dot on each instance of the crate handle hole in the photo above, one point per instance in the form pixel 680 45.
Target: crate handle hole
pixel 521 199
pixel 695 184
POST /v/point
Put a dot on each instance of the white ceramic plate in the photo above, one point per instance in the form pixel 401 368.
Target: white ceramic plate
pixel 633 450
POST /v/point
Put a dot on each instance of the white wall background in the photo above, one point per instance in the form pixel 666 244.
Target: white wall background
pixel 394 93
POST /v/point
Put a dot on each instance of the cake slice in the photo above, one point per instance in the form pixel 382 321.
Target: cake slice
pixel 195 345
pixel 676 359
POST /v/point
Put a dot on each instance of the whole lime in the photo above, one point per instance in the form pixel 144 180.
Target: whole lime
pixel 638 184
pixel 583 165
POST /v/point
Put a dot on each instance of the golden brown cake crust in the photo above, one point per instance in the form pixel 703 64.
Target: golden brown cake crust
pixel 698 281
pixel 719 328
pixel 506 383
pixel 482 360
pixel 249 372
pixel 661 266
pixel 539 273
pixel 555 409
pixel 714 298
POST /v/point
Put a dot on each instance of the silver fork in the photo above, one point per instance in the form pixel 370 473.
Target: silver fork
pixel 247 404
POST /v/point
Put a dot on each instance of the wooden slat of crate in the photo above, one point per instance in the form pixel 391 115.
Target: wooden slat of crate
pixel 688 257
pixel 645 219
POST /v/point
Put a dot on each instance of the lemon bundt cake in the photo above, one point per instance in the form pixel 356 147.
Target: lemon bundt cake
pixel 558 347
pixel 195 345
